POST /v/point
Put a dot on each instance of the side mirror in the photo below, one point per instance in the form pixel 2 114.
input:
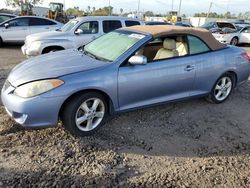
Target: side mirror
pixel 81 48
pixel 6 26
pixel 138 60
pixel 78 31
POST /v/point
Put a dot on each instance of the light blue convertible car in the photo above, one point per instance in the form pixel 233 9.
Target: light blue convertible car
pixel 126 69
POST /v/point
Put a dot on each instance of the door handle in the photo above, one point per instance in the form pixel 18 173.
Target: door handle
pixel 93 38
pixel 189 68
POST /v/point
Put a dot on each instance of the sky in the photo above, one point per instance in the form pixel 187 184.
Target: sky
pixel 189 7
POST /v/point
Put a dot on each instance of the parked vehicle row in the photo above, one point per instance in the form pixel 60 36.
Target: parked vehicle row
pixel 4 17
pixel 16 30
pixel 241 34
pixel 125 69
pixel 166 23
pixel 82 30
pixel 74 34
pixel 233 33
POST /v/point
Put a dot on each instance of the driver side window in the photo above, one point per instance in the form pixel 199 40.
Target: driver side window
pixel 19 22
pixel 246 30
pixel 164 48
pixel 89 27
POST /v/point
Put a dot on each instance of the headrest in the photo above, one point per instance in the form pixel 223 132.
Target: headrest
pixel 169 44
pixel 179 39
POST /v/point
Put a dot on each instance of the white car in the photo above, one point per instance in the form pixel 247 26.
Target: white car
pixel 241 34
pixel 15 30
pixel 74 34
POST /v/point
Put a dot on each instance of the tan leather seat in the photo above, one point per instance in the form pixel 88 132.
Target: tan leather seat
pixel 140 51
pixel 168 50
pixel 181 46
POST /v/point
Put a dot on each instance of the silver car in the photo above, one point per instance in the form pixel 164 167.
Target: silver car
pixel 74 34
pixel 15 30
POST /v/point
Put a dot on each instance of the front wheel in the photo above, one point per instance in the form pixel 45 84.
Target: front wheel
pixel 234 41
pixel 1 42
pixel 84 114
pixel 222 89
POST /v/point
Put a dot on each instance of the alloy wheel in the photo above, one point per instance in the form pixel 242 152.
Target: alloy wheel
pixel 234 41
pixel 90 114
pixel 223 88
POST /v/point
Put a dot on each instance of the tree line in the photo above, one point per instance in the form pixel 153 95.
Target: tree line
pixel 105 11
pixel 229 15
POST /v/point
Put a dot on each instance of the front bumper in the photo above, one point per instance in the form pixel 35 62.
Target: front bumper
pixel 28 52
pixel 223 41
pixel 35 112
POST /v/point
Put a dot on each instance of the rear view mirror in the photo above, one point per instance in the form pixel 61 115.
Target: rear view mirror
pixel 138 60
pixel 6 26
pixel 78 31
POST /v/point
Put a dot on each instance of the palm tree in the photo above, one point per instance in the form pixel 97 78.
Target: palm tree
pixel 89 9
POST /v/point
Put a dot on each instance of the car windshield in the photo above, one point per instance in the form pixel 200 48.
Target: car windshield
pixel 112 45
pixel 68 26
pixel 239 27
pixel 209 24
pixel 55 7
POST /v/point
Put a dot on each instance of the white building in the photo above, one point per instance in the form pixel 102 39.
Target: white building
pixel 40 11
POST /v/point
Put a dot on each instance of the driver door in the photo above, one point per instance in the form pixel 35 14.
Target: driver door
pixel 17 30
pixel 245 35
pixel 86 32
pixel 156 82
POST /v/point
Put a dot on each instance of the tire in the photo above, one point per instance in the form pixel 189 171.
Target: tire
pixel 1 42
pixel 234 41
pixel 53 50
pixel 222 89
pixel 82 116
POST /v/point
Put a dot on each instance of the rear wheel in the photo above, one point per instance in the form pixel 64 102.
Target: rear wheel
pixel 85 114
pixel 234 41
pixel 222 89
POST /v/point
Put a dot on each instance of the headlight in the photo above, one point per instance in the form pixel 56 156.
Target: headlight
pixel 37 87
pixel 35 44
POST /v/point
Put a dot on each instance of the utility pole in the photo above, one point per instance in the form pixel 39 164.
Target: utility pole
pixel 209 10
pixel 180 8
pixel 109 9
pixel 227 7
pixel 138 8
pixel 172 5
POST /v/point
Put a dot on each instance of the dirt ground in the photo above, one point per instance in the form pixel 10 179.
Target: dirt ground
pixel 186 144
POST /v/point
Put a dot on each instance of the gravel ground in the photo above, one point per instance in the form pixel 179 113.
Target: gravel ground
pixel 185 144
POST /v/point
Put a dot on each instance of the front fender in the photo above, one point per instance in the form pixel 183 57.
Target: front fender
pixel 64 43
pixel 103 79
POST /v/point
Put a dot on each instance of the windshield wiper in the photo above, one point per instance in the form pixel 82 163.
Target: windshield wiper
pixel 95 56
pixel 89 54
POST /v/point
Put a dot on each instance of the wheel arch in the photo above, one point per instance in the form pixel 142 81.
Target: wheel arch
pixel 106 96
pixel 48 48
pixel 233 73
pixel 237 37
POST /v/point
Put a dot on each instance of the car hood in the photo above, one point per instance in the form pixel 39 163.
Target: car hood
pixel 52 66
pixel 46 36
pixel 224 31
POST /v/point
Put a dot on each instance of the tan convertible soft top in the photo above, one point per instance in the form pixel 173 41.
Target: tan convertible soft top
pixel 163 30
